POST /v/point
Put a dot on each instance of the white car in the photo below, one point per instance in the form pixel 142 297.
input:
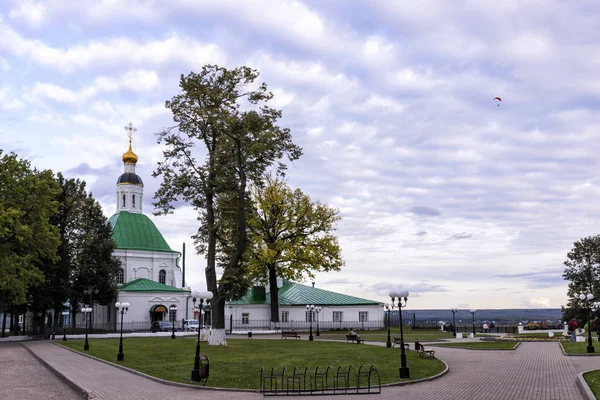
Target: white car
pixel 191 325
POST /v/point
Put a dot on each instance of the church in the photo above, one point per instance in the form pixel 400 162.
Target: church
pixel 151 278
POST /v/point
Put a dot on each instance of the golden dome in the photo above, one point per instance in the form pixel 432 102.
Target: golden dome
pixel 130 157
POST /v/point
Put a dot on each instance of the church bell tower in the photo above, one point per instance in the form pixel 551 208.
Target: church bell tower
pixel 130 187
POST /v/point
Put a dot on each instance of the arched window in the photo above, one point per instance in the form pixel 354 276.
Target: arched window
pixel 123 200
pixel 162 276
pixel 121 276
pixel 133 201
pixel 172 315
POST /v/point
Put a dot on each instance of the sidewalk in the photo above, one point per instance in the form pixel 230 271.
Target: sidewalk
pixel 536 371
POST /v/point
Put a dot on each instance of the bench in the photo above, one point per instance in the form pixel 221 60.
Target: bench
pixel 398 341
pixel 287 334
pixel 354 338
pixel 430 353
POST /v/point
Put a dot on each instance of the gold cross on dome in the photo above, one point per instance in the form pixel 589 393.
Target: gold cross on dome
pixel 130 128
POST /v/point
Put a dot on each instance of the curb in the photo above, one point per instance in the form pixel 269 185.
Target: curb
pixel 81 391
pixel 444 372
pixel 475 349
pixel 584 387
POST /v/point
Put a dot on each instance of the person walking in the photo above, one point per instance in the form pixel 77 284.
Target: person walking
pixel 573 326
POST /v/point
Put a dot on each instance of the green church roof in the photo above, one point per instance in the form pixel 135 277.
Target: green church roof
pixel 147 285
pixel 291 294
pixel 132 231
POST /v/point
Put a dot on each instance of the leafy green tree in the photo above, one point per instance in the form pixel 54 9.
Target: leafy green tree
pixel 214 150
pixel 583 272
pixel 27 236
pixel 292 237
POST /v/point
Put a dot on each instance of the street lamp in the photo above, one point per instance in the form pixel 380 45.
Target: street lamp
pixel 65 315
pixel 454 310
pixel 586 299
pixel 387 307
pixel 318 310
pixel 91 290
pixel 173 309
pixel 402 299
pixel 122 309
pixel 473 314
pixel 597 308
pixel 86 311
pixel 205 296
pixel 310 308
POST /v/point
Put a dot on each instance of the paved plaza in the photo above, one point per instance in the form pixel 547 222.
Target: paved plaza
pixel 536 370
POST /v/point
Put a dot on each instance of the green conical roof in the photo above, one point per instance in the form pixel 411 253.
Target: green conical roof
pixel 132 231
pixel 147 285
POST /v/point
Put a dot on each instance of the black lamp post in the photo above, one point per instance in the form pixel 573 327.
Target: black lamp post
pixel 91 290
pixel 310 308
pixel 318 310
pixel 454 310
pixel 597 308
pixel 122 309
pixel 173 313
pixel 586 299
pixel 402 299
pixel 65 315
pixel 206 296
pixel 387 308
pixel 86 311
pixel 473 314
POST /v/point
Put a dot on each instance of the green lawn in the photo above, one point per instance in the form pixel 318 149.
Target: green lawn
pixel 422 335
pixel 593 380
pixel 480 345
pixel 579 347
pixel 238 364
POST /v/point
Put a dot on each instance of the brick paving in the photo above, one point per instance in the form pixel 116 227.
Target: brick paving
pixel 533 371
pixel 22 377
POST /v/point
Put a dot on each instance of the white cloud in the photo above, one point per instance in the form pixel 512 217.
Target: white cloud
pixel 31 12
pixel 8 100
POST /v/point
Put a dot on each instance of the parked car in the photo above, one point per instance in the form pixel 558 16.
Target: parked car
pixel 191 325
pixel 161 326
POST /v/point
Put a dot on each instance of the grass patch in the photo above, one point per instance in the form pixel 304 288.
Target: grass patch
pixel 593 380
pixel 422 335
pixel 238 364
pixel 578 347
pixel 480 345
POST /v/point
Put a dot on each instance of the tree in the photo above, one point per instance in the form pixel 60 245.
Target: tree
pixel 292 237
pixel 84 255
pixel 27 237
pixel 238 145
pixel 582 271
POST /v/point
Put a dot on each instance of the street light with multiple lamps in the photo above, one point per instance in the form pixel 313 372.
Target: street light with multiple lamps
pixel 399 299
pixel 91 290
pixel 122 309
pixel 387 308
pixel 173 313
pixel 65 315
pixel 597 308
pixel 473 314
pixel 310 308
pixel 86 311
pixel 586 299
pixel 202 296
pixel 318 310
pixel 454 310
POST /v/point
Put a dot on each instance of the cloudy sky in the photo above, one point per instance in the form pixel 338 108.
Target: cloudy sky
pixel 460 199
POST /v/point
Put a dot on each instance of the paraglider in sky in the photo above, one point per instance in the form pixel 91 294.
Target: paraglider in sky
pixel 499 100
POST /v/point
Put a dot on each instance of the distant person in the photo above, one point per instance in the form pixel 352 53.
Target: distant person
pixel 492 327
pixel 351 332
pixel 573 327
pixel 485 327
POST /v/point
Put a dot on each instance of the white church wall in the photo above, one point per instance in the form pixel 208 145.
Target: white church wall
pixel 142 302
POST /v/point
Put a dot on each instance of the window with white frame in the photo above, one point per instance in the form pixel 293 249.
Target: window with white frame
pixel 285 316
pixel 245 318
pixel 133 201
pixel 121 276
pixel 162 276
pixel 338 316
pixel 363 316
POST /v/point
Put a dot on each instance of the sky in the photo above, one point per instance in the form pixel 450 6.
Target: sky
pixel 463 200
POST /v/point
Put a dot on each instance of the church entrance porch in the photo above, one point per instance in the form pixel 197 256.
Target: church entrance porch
pixel 158 312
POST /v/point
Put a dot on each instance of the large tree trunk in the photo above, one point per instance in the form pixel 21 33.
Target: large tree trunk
pixel 216 336
pixel 274 294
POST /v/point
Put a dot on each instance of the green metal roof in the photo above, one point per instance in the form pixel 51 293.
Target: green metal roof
pixel 132 231
pixel 147 285
pixel 291 294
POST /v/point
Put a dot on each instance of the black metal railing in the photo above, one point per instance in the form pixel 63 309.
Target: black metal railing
pixel 340 381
